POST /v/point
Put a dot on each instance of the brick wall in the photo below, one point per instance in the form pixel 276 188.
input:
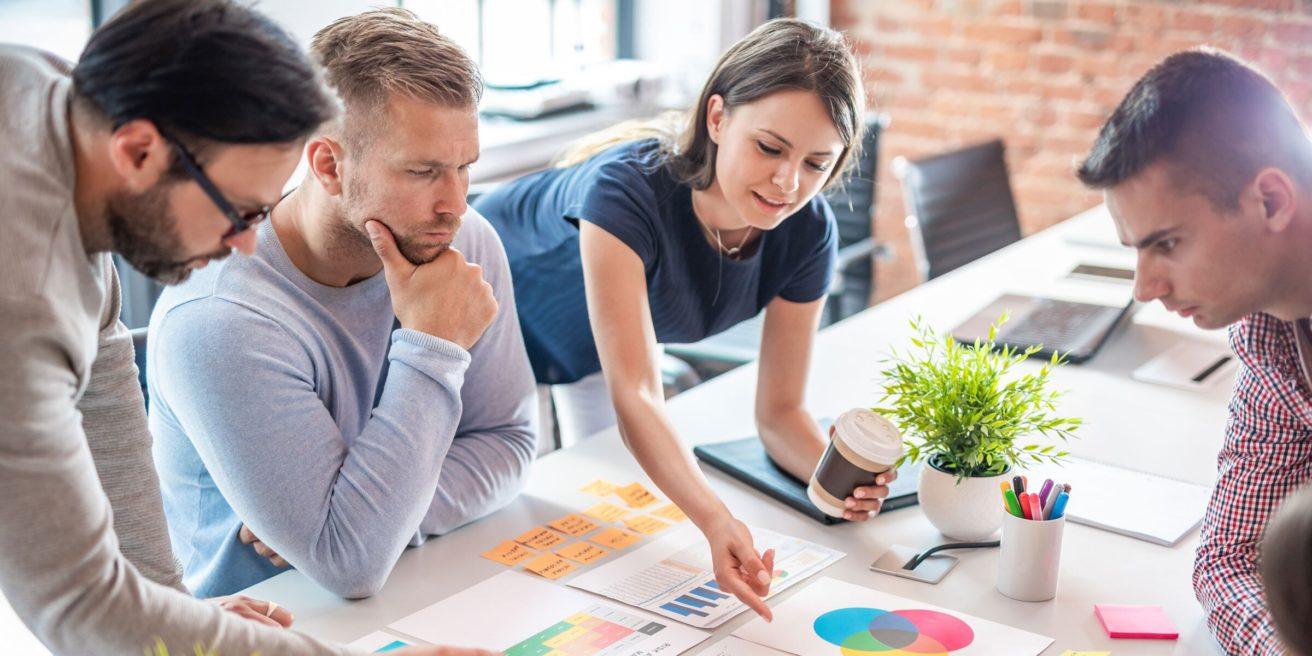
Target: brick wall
pixel 1043 75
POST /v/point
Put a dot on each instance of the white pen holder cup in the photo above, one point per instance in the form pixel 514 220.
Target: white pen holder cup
pixel 1030 558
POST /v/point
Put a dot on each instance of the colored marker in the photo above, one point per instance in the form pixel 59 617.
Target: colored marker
pixel 1052 498
pixel 1009 500
pixel 1018 484
pixel 1059 506
pixel 1024 480
pixel 1025 505
pixel 1044 491
pixel 1036 508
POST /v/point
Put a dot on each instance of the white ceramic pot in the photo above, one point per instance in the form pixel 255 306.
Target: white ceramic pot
pixel 967 511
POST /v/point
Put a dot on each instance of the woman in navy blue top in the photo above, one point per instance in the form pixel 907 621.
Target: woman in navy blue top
pixel 645 236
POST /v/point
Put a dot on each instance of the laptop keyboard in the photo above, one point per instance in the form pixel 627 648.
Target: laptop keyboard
pixel 1056 324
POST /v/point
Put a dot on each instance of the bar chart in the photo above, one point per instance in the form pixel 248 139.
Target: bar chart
pixel 673 576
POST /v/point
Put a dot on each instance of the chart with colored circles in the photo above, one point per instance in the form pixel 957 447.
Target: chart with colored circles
pixel 863 631
pixel 836 618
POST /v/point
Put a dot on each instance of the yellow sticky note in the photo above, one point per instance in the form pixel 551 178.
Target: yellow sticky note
pixel 1072 652
pixel 550 566
pixel 606 512
pixel 636 495
pixel 646 525
pixel 670 512
pixel 615 538
pixel 582 552
pixel 599 488
pixel 575 525
pixel 509 553
pixel 540 538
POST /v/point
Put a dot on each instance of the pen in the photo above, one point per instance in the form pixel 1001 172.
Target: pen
pixel 1025 505
pixel 1018 484
pixel 1009 500
pixel 1059 506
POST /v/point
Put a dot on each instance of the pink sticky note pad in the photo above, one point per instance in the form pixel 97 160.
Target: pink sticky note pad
pixel 1135 621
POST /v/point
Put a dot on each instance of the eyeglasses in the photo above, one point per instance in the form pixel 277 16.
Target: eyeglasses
pixel 241 222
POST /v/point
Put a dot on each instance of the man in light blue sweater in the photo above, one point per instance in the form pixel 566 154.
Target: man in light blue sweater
pixel 293 424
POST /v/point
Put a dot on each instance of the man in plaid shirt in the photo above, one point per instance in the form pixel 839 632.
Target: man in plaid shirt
pixel 1207 171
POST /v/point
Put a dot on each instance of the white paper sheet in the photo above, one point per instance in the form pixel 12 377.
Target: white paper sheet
pixel 522 615
pixel 1143 506
pixel 831 617
pixel 379 642
pixel 732 646
pixel 673 576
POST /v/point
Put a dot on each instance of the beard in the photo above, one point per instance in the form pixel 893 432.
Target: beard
pixel 414 244
pixel 145 235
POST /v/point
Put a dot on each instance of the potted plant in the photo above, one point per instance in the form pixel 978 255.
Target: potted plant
pixel 964 409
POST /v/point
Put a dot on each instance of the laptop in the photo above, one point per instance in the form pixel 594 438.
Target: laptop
pixel 747 461
pixel 1075 329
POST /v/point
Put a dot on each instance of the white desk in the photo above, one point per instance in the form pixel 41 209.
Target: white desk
pixel 1144 426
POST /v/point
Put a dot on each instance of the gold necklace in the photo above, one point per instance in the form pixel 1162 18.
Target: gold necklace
pixel 732 253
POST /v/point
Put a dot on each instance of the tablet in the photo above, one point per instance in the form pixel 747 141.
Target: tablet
pixel 747 461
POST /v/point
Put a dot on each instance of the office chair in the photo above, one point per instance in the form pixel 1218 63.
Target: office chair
pixel 853 205
pixel 959 206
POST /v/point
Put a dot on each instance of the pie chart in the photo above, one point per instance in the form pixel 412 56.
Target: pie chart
pixel 878 632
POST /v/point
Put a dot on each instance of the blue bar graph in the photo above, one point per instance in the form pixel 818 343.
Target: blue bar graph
pixel 681 610
pixel 708 594
pixel 695 602
pixel 713 584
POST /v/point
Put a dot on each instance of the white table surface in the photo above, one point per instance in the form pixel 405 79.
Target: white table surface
pixel 1127 422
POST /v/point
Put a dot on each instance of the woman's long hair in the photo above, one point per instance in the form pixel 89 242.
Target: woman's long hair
pixel 781 55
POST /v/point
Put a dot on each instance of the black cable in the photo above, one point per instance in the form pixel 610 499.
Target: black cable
pixel 920 557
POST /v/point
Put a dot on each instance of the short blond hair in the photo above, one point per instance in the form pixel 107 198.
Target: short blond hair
pixel 370 56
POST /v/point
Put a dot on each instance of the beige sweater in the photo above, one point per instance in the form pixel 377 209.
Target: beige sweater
pixel 73 436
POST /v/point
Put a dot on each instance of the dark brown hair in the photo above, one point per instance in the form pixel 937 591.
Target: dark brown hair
pixel 781 55
pixel 1287 571
pixel 1214 118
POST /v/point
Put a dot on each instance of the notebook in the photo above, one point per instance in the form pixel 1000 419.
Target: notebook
pixel 746 460
pixel 1144 506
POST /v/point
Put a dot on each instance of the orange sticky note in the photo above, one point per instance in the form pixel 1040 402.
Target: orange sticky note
pixel 575 525
pixel 540 538
pixel 615 538
pixel 670 512
pixel 646 525
pixel 509 553
pixel 550 566
pixel 636 495
pixel 599 488
pixel 583 552
pixel 606 512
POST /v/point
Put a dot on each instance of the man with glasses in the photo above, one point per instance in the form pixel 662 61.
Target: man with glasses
pixel 328 402
pixel 86 171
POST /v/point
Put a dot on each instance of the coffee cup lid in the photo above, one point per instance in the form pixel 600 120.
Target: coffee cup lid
pixel 871 435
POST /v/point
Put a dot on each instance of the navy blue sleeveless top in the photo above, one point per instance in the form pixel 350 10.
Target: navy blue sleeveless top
pixel 692 289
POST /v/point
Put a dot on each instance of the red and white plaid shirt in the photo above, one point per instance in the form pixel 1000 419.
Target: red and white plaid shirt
pixel 1267 455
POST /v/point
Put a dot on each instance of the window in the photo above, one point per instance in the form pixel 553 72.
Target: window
pixel 508 40
pixel 58 26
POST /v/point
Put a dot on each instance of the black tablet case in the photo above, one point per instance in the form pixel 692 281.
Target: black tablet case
pixel 747 461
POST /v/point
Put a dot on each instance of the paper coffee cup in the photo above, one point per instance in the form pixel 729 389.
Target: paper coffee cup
pixel 865 443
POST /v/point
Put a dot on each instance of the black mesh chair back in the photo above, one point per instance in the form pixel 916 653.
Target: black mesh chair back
pixel 959 206
pixel 854 205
